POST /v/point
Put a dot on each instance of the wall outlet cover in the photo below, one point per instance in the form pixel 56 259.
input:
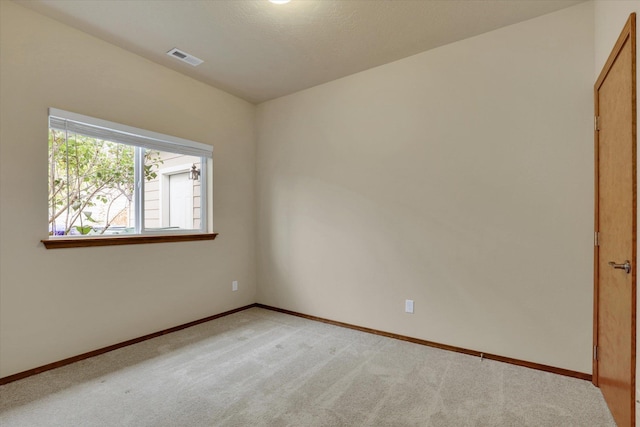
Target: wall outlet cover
pixel 408 306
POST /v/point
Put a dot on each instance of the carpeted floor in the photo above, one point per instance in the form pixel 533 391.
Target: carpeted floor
pixel 261 368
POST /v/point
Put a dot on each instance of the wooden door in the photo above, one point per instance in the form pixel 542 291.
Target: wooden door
pixel 615 208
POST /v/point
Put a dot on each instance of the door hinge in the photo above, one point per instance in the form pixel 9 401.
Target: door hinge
pixel 595 352
pixel 596 238
pixel 596 123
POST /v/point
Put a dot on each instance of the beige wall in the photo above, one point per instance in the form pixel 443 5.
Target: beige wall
pixel 60 303
pixel 461 178
pixel 610 17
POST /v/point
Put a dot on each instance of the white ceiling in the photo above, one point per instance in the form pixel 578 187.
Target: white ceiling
pixel 260 51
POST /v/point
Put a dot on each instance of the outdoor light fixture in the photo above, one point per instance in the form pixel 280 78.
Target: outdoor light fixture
pixel 194 174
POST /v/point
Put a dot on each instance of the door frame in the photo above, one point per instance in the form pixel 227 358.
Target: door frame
pixel 628 34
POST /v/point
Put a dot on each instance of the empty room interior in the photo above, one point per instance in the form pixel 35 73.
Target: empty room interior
pixel 400 181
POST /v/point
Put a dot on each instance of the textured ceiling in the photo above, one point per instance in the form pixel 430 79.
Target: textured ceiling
pixel 260 51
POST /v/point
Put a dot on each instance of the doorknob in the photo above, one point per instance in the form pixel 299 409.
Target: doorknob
pixel 626 266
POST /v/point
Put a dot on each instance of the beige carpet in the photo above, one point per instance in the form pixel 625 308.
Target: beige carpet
pixel 261 368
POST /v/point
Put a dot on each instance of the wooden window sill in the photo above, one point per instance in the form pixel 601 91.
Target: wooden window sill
pixel 82 242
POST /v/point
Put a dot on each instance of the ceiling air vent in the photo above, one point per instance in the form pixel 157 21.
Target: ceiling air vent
pixel 185 57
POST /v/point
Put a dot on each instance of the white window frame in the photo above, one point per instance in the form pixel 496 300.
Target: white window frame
pixel 129 135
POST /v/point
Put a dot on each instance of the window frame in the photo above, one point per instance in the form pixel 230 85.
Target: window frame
pixel 148 140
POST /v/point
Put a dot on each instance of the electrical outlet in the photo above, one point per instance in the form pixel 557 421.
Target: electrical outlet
pixel 234 285
pixel 408 306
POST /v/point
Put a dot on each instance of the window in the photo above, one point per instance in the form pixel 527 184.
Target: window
pixel 108 180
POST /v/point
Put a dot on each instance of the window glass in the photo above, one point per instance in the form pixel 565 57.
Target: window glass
pixel 91 185
pixel 172 191
pixel 118 180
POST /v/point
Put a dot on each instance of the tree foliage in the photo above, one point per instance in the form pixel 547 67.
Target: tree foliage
pixel 87 174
